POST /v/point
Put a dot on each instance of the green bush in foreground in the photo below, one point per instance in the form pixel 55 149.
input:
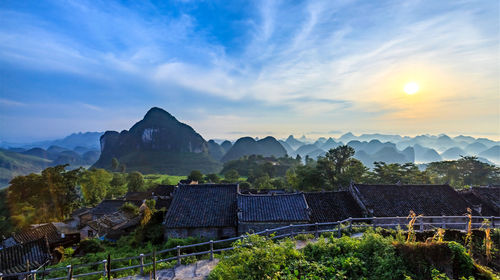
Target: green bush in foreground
pixel 370 257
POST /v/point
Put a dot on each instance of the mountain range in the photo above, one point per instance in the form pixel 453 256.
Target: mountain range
pixel 399 149
pixel 159 143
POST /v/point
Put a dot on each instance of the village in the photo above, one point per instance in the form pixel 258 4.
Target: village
pixel 221 211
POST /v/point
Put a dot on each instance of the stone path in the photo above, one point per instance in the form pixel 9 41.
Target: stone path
pixel 197 271
pixel 201 269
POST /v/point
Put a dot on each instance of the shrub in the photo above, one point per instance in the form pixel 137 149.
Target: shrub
pixel 304 237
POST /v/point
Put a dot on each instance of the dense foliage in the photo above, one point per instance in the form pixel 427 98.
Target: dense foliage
pixel 370 257
pixel 56 192
pixel 337 168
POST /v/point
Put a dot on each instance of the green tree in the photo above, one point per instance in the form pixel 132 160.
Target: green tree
pixel 123 167
pixel 196 175
pixel 212 178
pixel 95 184
pixel 232 176
pixel 263 182
pixel 117 186
pixel 135 182
pixel 392 173
pixel 115 163
pixel 334 164
pixel 45 197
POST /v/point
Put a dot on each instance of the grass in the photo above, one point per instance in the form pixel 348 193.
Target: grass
pixel 159 178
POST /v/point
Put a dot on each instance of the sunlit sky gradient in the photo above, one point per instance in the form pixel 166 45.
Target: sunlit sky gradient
pixel 250 68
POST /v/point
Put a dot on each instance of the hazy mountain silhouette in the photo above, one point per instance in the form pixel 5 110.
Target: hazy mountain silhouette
pixel 294 143
pixel 246 146
pixel 453 153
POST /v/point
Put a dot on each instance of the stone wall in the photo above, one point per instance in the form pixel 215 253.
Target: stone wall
pixel 249 227
pixel 207 233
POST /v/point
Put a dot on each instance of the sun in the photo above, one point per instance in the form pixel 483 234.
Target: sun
pixel 411 88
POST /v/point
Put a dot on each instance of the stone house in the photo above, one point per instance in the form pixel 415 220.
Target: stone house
pixel 260 212
pixel 204 210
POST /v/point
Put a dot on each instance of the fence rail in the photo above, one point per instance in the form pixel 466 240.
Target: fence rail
pixel 344 226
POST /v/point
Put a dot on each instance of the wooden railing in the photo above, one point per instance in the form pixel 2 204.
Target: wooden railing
pixel 345 226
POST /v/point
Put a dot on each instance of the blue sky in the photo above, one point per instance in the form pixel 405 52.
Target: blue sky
pixel 250 68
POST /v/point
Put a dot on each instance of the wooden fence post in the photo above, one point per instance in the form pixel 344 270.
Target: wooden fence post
pixel 104 262
pixel 142 263
pixel 373 222
pixel 109 267
pixel 421 225
pixel 339 230
pixel 443 222
pixel 211 250
pixel 28 276
pixel 178 255
pixel 154 263
pixel 350 226
pixel 70 271
pixel 316 233
pixel 492 221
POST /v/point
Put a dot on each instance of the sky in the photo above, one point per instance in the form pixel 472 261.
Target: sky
pixel 231 68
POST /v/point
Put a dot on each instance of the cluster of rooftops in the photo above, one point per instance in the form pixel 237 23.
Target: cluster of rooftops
pixel 224 205
pixel 224 210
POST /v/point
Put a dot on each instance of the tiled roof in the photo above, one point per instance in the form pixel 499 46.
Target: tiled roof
pixel 163 203
pixel 137 195
pixel 263 191
pixel 491 195
pixel 272 208
pixel 474 201
pixel 164 190
pixel 109 206
pixel 398 200
pixel 203 205
pixel 332 206
pixel 114 221
pixel 36 233
pixel 80 211
pixel 13 259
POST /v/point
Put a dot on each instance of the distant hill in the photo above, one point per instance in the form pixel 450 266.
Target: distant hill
pixel 215 150
pixel 88 140
pixel 289 150
pixel 226 145
pixel 492 154
pixel 13 164
pixel 330 144
pixel 475 148
pixel 294 143
pixel 453 153
pixel 423 154
pixel 306 149
pixel 159 143
pixel 246 146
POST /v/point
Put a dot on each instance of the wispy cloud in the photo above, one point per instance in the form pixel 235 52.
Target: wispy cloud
pixel 310 60
pixel 7 102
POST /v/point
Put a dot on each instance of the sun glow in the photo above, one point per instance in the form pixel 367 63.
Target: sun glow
pixel 411 88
